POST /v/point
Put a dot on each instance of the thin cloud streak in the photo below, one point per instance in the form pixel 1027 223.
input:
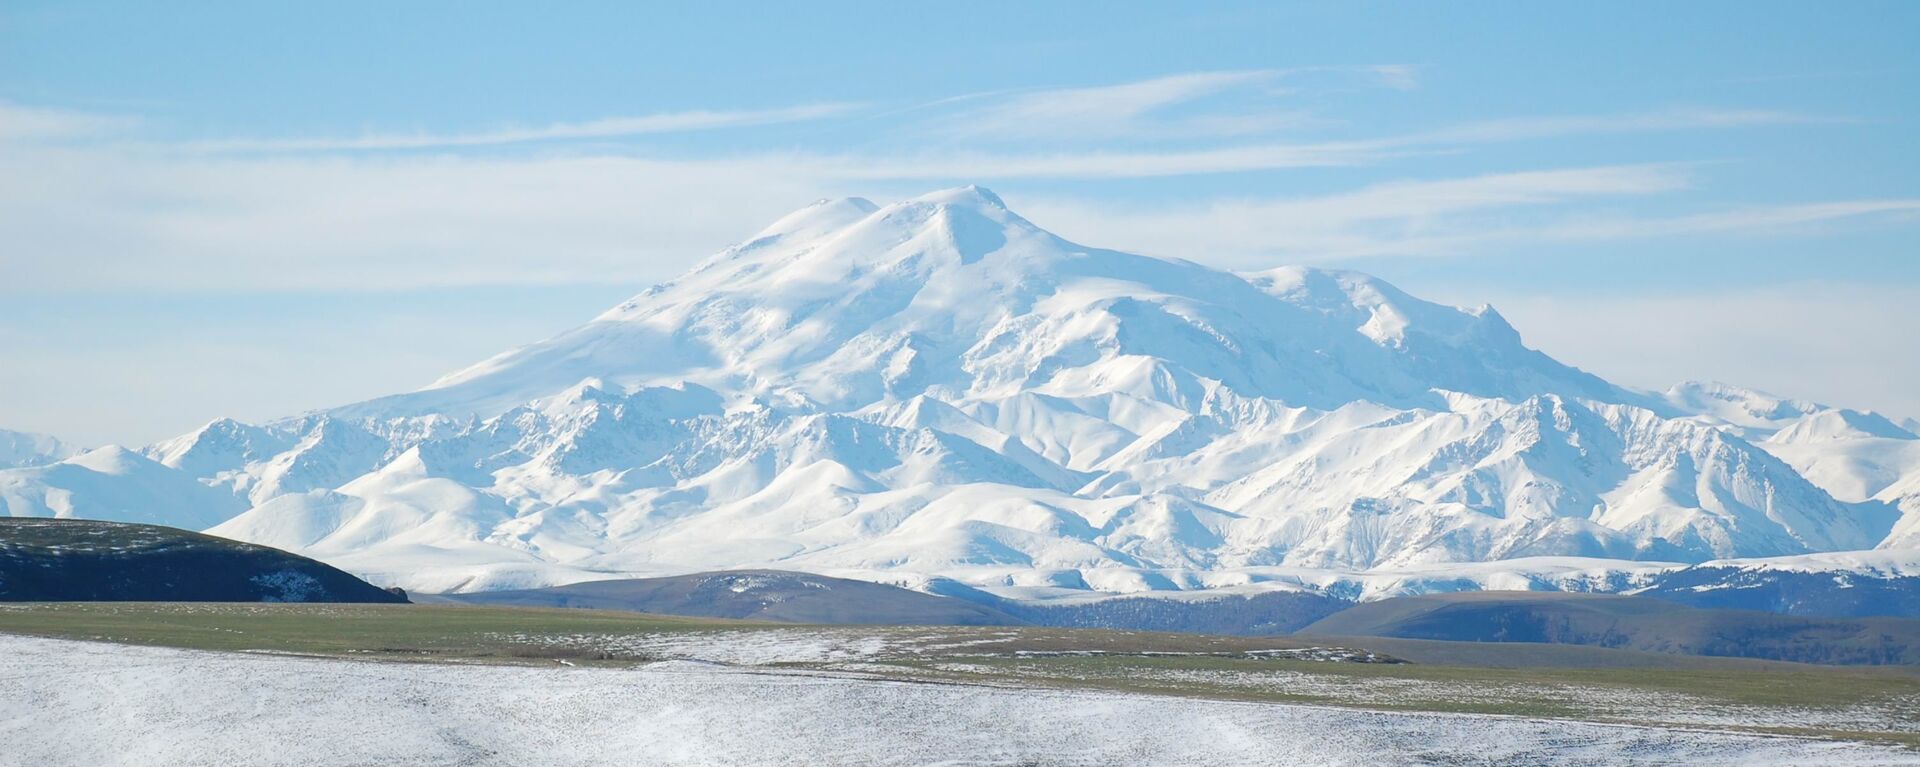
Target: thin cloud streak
pixel 1217 104
pixel 1098 112
pixel 1100 165
pixel 85 220
pixel 1250 157
pixel 1218 142
pixel 22 123
pixel 1397 76
pixel 1755 219
pixel 1739 222
pixel 1429 219
pixel 1369 221
pixel 1678 118
pixel 88 206
pixel 1066 164
pixel 610 127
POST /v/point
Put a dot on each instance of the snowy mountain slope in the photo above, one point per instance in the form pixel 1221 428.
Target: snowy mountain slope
pixel 1863 458
pixel 1860 458
pixel 116 485
pixel 20 449
pixel 1747 412
pixel 939 386
pixel 1885 563
pixel 843 305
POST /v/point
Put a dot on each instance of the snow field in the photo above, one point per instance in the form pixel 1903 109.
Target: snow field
pixel 101 704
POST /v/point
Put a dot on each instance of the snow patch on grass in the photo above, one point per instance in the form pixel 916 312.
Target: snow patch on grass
pixel 100 704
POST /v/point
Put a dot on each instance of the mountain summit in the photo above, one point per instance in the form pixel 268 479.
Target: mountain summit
pixel 843 305
pixel 939 387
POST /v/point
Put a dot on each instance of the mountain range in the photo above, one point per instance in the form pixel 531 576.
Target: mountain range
pixel 938 390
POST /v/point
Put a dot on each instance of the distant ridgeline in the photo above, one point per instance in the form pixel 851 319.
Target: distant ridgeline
pixel 49 560
pixel 1788 592
pixel 1628 623
pixel 776 595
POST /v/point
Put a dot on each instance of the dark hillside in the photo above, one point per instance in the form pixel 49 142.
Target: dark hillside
pixel 1628 623
pixel 73 560
pixel 772 595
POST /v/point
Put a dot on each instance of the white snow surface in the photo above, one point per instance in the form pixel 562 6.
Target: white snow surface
pixel 102 704
pixel 1883 563
pixel 939 387
pixel 115 484
pixel 1859 457
pixel 19 449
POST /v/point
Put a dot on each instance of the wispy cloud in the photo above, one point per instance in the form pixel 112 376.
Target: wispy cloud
pixel 1433 219
pixel 610 127
pixel 1193 123
pixel 19 122
pixel 1114 110
pixel 1098 164
pixel 1478 236
pixel 1397 76
pixel 83 204
pixel 1388 218
pixel 1185 106
pixel 1673 119
pixel 1762 219
pixel 1246 156
pixel 104 219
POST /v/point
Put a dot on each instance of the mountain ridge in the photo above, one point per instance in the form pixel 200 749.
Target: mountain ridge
pixel 20 449
pixel 940 387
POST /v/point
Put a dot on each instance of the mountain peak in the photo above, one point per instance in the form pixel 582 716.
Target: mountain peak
pixel 823 215
pixel 1840 424
pixel 110 459
pixel 971 195
pixel 1754 412
pixel 843 304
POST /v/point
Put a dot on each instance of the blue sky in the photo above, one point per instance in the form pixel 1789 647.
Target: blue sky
pixel 255 209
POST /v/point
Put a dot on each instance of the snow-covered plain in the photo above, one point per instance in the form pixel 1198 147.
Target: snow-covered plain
pixel 83 703
pixel 1604 702
pixel 940 387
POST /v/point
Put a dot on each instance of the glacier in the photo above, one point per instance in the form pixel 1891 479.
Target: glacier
pixel 940 389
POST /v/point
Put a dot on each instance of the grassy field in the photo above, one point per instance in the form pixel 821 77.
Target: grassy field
pixel 460 632
pixel 1881 704
pixel 400 632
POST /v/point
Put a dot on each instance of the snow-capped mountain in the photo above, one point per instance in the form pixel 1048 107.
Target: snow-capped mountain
pixel 940 387
pixel 19 448
pixel 118 485
pixel 1859 458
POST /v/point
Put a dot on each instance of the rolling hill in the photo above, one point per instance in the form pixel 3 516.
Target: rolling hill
pixel 58 560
